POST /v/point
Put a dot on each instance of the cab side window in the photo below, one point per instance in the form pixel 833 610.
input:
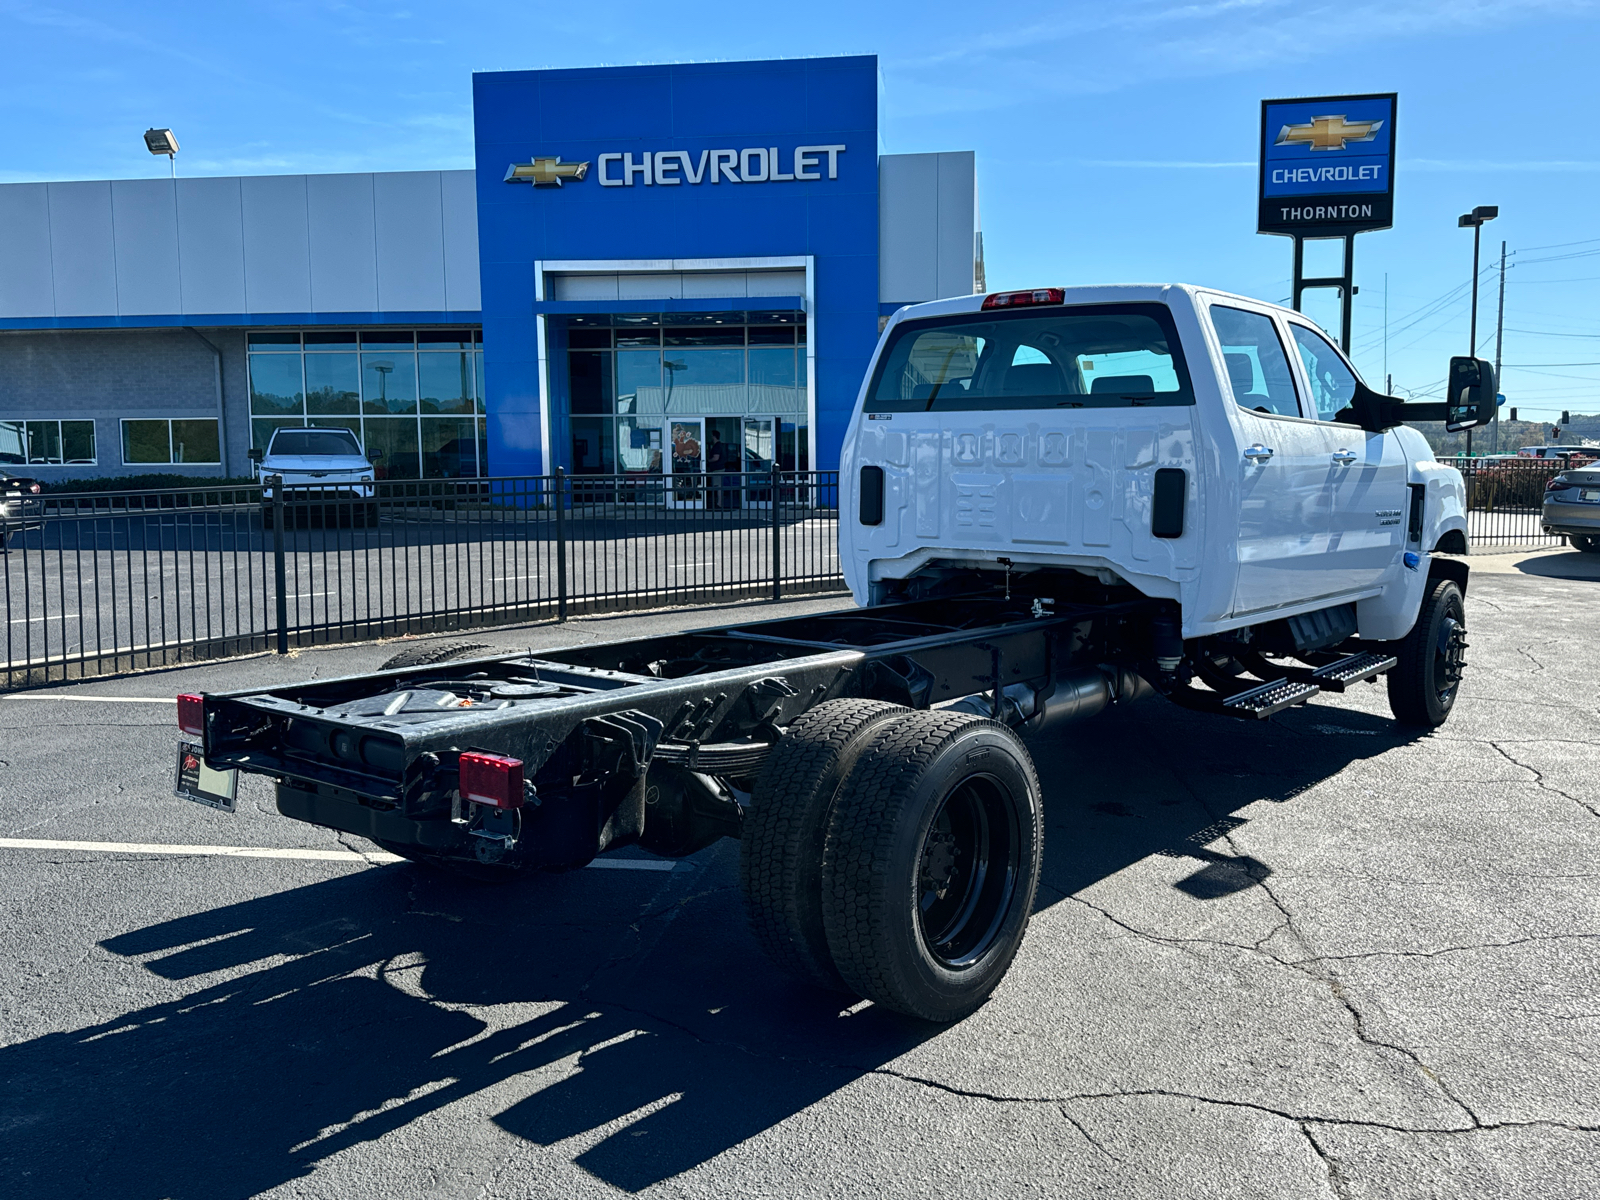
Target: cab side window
pixel 1333 385
pixel 1257 366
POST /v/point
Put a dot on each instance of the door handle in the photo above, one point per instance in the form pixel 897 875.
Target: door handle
pixel 1258 453
pixel 1344 457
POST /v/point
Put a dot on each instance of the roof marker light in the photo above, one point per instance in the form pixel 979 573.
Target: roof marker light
pixel 1024 299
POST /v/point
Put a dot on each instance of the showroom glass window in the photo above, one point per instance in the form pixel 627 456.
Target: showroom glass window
pixel 413 396
pixel 742 374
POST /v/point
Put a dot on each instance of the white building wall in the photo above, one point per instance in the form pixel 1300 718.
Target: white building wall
pixel 192 248
pixel 927 226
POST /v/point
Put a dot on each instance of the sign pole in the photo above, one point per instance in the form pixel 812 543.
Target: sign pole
pixel 1344 282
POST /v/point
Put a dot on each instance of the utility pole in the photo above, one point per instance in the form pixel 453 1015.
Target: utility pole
pixel 1499 333
pixel 1386 330
pixel 1474 221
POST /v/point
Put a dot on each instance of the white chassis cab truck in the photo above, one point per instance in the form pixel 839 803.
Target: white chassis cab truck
pixel 1053 501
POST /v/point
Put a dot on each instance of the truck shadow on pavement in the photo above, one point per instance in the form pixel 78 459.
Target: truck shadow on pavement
pixel 624 1017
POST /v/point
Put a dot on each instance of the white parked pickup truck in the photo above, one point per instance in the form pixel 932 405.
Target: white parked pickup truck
pixel 1174 443
pixel 1055 500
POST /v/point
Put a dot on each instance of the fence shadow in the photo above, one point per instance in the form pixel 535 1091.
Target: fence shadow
pixel 627 1010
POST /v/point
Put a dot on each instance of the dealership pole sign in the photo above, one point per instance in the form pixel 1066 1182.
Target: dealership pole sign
pixel 1327 165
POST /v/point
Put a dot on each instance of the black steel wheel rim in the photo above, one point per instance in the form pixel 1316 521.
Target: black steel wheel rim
pixel 967 871
pixel 1449 657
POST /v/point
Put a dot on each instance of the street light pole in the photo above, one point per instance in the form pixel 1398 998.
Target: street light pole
pixel 1475 220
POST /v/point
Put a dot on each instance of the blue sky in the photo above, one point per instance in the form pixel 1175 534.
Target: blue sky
pixel 1116 140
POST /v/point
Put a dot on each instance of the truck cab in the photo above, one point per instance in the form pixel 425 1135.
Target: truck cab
pixel 1197 446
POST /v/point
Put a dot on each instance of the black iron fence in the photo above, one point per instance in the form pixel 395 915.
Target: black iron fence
pixel 108 582
pixel 1505 498
pixel 105 582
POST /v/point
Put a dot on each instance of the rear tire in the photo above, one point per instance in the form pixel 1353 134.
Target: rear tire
pixel 932 864
pixel 780 849
pixel 429 653
pixel 1424 685
pixel 1588 543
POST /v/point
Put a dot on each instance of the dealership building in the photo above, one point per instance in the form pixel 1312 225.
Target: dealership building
pixel 646 262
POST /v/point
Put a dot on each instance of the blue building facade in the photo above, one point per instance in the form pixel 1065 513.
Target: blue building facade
pixel 732 204
pixel 653 270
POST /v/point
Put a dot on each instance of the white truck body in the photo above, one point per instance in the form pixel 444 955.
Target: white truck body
pixel 1324 519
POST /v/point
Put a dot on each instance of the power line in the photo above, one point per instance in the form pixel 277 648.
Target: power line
pixel 1563 245
pixel 1552 333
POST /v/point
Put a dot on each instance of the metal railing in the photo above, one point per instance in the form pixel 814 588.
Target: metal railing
pixel 1505 499
pixel 99 583
pixel 109 582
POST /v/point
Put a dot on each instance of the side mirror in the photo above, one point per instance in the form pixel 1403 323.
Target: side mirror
pixel 374 455
pixel 1471 397
pixel 256 454
pixel 1472 401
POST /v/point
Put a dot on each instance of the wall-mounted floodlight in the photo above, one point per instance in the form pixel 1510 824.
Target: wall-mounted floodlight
pixel 163 141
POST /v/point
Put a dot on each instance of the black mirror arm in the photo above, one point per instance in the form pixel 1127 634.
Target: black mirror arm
pixel 1377 412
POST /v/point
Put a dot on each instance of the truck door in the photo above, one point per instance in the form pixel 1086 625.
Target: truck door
pixel 1280 465
pixel 1366 472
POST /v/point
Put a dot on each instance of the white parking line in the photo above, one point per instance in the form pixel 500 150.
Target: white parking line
pixel 377 856
pixel 222 851
pixel 91 699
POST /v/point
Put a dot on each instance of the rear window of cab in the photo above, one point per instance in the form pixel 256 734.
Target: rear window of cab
pixel 1076 356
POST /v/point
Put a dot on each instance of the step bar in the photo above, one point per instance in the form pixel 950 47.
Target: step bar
pixel 1298 685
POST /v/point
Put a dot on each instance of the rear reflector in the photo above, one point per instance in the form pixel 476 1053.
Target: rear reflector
pixel 192 714
pixel 491 779
pixel 1023 299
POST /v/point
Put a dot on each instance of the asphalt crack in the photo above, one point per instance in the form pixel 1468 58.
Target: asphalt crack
pixel 1549 937
pixel 1330 1164
pixel 1087 1136
pixel 1538 778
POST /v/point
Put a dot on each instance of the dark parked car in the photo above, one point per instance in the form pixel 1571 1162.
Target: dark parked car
pixel 20 505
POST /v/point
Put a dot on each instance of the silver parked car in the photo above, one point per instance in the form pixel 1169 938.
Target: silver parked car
pixel 1572 506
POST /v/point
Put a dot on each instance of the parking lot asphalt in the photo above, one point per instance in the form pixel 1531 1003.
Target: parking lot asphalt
pixel 1319 956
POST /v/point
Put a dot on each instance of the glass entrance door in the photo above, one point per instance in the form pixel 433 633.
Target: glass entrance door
pixel 687 463
pixel 757 449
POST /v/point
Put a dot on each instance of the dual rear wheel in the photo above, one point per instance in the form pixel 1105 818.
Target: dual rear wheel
pixel 895 854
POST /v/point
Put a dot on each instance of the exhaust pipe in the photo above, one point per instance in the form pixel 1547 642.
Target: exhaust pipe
pixel 1075 695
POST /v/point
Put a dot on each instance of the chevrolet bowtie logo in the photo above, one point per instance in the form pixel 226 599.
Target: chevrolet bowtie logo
pixel 545 172
pixel 1328 133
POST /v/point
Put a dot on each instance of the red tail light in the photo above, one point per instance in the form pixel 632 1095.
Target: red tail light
pixel 192 714
pixel 491 779
pixel 1022 299
pixel 35 488
pixel 1556 483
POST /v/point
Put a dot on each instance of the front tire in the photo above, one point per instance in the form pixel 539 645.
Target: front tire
pixel 1424 685
pixel 780 849
pixel 931 864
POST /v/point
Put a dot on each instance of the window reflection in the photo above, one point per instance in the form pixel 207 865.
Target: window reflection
pixel 389 383
pixel 429 382
pixel 333 383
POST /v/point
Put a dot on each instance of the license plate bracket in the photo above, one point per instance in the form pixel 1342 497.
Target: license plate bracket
pixel 1589 494
pixel 198 782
